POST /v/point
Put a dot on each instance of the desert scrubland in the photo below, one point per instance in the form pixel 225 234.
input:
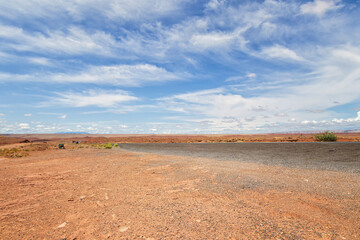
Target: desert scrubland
pixel 238 190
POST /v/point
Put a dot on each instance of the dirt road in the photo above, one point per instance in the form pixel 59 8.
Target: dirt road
pixel 117 194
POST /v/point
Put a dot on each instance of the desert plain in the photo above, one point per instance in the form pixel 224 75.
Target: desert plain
pixel 179 187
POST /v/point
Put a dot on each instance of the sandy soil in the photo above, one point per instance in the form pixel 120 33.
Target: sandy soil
pixel 118 194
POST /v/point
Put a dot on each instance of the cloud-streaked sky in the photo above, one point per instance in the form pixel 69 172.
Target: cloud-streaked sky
pixel 179 66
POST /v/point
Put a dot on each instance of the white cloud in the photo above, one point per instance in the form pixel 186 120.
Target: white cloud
pixel 281 52
pixel 98 98
pixel 305 122
pixel 234 78
pixel 40 61
pixel 1 114
pixel 214 4
pixel 121 75
pixel 348 120
pixel 251 75
pixel 27 114
pixel 233 34
pixel 306 101
pixel 63 116
pixel 216 40
pixel 140 9
pixel 154 40
pixel 202 33
pixel 72 41
pixel 79 10
pixel 213 102
pixel 13 58
pixel 319 7
pixel 14 77
pixel 24 126
pixel 118 75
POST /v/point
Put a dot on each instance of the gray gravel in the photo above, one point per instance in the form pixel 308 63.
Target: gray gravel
pixel 343 157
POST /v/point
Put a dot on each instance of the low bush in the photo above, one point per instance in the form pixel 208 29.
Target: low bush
pixel 107 145
pixel 12 153
pixel 326 137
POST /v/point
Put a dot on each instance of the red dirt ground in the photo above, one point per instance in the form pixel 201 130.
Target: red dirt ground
pixel 84 193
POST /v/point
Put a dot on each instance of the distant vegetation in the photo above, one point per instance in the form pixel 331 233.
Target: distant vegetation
pixel 326 137
pixel 108 145
pixel 22 151
pixel 12 153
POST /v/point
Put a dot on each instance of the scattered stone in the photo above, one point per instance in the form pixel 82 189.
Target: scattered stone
pixel 123 229
pixel 62 225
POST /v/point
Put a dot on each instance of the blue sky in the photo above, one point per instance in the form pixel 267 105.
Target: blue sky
pixel 179 66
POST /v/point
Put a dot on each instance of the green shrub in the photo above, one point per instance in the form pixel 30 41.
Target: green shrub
pixel 326 137
pixel 107 146
pixel 116 145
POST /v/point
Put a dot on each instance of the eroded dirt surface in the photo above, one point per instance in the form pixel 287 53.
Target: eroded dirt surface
pixel 117 194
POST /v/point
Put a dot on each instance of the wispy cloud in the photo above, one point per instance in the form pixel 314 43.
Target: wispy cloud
pixel 280 52
pixel 281 105
pixel 217 64
pixel 99 98
pixel 73 41
pixel 320 7
pixel 218 40
pixel 80 10
pixel 122 75
pixel 24 125
pixel 119 75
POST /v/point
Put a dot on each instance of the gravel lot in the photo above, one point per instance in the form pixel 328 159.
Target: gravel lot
pixel 344 157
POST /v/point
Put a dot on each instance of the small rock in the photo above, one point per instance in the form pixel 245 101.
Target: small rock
pixel 123 229
pixel 62 225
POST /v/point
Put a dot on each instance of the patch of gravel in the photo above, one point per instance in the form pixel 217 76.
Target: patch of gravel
pixel 344 157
